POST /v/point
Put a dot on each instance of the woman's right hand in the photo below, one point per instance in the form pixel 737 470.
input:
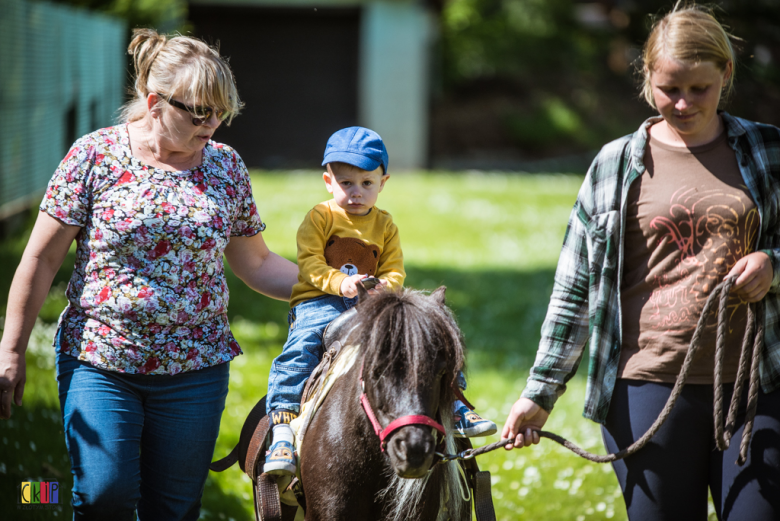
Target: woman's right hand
pixel 12 378
pixel 523 424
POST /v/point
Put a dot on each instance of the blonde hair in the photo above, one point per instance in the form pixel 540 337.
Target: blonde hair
pixel 180 66
pixel 691 34
pixel 336 167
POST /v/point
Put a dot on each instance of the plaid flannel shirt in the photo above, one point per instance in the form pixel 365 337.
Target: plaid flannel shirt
pixel 585 302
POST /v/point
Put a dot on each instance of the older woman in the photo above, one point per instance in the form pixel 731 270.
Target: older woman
pixel 143 345
pixel 663 216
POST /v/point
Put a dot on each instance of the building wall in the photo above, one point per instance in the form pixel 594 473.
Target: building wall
pixel 297 73
pixel 62 73
pixel 391 87
pixel 394 78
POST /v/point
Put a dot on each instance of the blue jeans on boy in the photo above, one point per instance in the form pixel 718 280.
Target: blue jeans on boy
pixel 303 350
pixel 139 442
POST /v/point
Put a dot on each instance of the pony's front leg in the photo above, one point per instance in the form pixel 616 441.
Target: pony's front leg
pixel 341 464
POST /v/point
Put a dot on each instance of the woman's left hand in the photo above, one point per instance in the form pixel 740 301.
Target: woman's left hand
pixel 755 276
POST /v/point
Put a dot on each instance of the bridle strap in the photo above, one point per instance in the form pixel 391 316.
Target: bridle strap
pixel 370 414
pixel 403 421
pixel 412 419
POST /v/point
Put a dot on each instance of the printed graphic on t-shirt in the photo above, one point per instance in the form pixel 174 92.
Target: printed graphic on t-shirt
pixel 351 255
pixel 712 229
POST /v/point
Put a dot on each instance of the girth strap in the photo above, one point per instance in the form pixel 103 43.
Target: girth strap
pixel 226 462
pixel 483 499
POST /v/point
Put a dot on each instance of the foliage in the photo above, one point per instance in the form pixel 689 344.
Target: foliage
pixel 508 37
pixel 546 78
pixel 550 120
pixel 164 15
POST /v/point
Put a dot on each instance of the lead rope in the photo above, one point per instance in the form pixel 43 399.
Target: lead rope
pixel 463 484
pixel 722 434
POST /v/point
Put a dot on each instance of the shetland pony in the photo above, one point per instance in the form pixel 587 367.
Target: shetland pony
pixel 410 352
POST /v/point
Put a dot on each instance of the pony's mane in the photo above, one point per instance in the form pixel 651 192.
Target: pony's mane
pixel 408 331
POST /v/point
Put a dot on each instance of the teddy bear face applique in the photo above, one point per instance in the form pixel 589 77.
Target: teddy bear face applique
pixel 351 255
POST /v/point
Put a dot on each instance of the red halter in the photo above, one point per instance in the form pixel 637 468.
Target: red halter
pixel 403 421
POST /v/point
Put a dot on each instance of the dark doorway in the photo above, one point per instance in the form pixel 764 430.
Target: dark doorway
pixel 297 72
pixel 70 128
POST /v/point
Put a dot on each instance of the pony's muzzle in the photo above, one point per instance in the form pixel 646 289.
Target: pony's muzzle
pixel 411 450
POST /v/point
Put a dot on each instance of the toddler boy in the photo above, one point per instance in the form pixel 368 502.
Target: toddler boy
pixel 340 242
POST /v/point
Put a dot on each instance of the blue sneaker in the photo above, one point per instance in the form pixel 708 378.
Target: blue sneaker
pixel 469 424
pixel 280 458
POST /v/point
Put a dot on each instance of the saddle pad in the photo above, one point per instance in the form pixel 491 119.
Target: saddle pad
pixel 338 368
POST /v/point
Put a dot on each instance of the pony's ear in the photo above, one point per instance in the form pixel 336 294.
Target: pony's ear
pixel 438 294
pixel 362 292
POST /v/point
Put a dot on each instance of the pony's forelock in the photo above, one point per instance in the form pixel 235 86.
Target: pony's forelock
pixel 408 331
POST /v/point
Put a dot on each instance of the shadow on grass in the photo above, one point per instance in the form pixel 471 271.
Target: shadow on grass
pixel 219 503
pixel 499 311
pixel 32 448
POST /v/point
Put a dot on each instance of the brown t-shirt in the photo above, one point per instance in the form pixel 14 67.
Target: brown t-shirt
pixel 689 220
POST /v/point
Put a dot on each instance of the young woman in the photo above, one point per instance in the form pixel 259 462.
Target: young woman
pixel 663 216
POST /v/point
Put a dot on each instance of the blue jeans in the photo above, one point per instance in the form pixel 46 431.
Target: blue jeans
pixel 303 349
pixel 139 442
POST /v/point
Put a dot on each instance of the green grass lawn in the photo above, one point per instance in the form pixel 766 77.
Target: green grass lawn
pixel 493 240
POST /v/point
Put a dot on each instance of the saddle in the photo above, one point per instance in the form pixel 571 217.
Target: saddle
pixel 253 440
pixel 269 505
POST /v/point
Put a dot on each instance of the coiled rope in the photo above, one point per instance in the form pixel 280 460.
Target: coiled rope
pixel 752 345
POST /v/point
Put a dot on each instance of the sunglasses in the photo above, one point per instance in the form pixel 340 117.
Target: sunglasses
pixel 199 114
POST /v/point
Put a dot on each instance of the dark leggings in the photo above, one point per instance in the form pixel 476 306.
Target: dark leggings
pixel 668 478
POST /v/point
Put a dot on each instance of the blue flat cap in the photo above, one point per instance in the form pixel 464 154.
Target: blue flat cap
pixel 358 147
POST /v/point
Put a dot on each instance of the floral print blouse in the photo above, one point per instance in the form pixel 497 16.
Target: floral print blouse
pixel 148 292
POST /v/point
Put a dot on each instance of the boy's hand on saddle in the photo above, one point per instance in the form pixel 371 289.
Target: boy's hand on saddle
pixel 755 276
pixel 523 423
pixel 349 285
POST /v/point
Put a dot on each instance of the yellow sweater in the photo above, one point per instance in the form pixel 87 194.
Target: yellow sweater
pixel 333 244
